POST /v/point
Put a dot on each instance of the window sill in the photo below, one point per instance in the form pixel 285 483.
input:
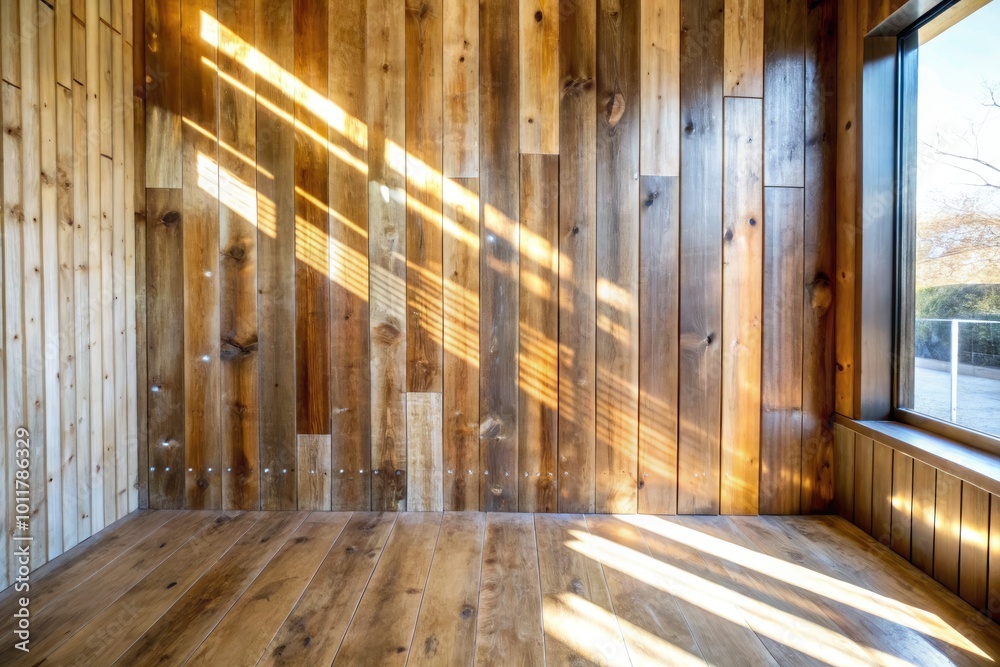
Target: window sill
pixel 955 458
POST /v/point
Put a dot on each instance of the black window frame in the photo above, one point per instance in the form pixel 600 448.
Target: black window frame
pixel 905 234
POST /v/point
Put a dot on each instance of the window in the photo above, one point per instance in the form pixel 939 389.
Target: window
pixel 948 331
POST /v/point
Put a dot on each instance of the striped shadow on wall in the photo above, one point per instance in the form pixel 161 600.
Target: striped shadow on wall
pixel 491 255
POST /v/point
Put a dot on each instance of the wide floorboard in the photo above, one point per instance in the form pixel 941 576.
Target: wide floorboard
pixel 300 588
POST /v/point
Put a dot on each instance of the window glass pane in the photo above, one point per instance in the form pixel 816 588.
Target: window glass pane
pixel 956 212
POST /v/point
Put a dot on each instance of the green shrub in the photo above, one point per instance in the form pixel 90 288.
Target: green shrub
pixel 979 344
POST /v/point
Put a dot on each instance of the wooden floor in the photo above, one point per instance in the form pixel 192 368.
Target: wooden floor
pixel 208 588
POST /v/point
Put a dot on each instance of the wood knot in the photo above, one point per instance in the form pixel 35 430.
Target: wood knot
pixel 651 198
pixel 616 109
pixel 385 67
pixel 233 349
pixel 689 129
pixel 170 217
pixel 202 483
pixel 576 229
pixel 753 222
pixel 236 252
pixel 467 611
pixel 822 293
pixel 388 334
pixel 538 16
pixel 729 235
pixel 709 338
pixel 491 428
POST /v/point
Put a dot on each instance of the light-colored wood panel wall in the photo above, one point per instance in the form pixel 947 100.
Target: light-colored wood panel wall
pixel 68 285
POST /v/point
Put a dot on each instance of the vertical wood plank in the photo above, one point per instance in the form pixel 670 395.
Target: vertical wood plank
pixel 141 300
pixel 902 503
pixel 499 202
pixel 313 472
pixel 424 490
pixel 882 493
pixel 35 402
pixel 461 335
pixel 617 342
pixel 460 74
pixel 50 266
pixel 744 48
pixel 10 43
pixel 13 304
pixel 312 221
pixel 276 255
pixel 578 259
pixel 92 35
pixel 701 262
pixel 109 466
pixel 350 387
pixel 974 549
pixel 742 304
pixel 63 30
pixel 660 65
pixel 538 409
pixel 538 33
pixel 993 582
pixel 819 243
pixel 784 93
pixel 104 82
pixel 79 56
pixel 424 192
pixel 165 317
pixel 781 395
pixel 131 284
pixel 843 467
pixel 65 188
pixel 81 287
pixel 163 93
pixel 922 531
pixel 947 530
pixel 658 343
pixel 118 271
pixel 7 462
pixel 846 174
pixel 238 220
pixel 202 349
pixel 863 452
pixel 387 250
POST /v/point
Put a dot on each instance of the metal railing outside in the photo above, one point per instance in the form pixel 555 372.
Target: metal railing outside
pixel 955 344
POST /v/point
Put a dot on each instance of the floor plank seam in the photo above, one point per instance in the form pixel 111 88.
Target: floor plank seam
pixel 100 611
pixel 192 585
pixel 249 585
pixel 347 628
pixel 423 593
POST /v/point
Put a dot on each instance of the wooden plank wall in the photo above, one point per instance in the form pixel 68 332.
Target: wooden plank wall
pixel 69 286
pixel 944 525
pixel 484 254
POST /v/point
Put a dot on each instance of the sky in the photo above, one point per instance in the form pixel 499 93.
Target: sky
pixel 955 69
